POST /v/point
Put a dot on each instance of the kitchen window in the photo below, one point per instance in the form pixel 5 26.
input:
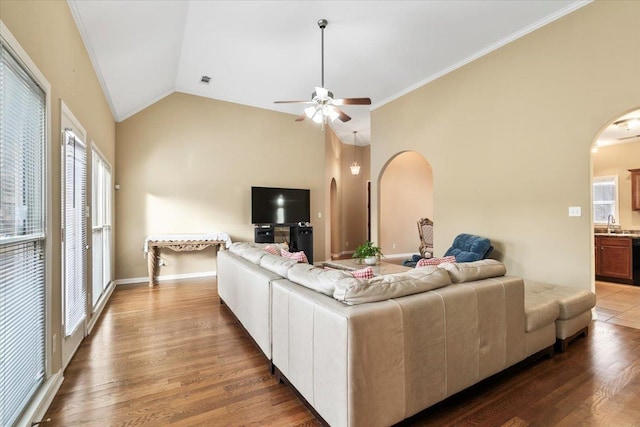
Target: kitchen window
pixel 605 198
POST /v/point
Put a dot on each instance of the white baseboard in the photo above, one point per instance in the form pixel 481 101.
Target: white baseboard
pixel 41 401
pixel 167 277
pixel 409 255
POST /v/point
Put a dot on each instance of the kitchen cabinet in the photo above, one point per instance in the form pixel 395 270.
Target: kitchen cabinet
pixel 614 258
pixel 635 189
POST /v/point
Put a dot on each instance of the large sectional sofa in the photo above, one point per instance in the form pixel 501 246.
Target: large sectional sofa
pixel 372 352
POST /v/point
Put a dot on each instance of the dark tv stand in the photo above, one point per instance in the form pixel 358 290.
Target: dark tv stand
pixel 300 238
pixel 264 234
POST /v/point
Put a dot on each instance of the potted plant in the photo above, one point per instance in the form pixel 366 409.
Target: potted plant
pixel 368 252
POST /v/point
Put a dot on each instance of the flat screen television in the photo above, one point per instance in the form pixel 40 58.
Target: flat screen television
pixel 279 206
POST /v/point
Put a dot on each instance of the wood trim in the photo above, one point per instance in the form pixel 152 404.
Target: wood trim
pixel 563 345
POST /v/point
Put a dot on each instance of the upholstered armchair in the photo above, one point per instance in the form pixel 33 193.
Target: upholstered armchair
pixel 425 229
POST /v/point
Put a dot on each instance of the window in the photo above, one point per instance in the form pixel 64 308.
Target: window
pixel 22 236
pixel 605 198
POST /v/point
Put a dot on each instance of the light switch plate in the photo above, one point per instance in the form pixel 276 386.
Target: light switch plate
pixel 575 211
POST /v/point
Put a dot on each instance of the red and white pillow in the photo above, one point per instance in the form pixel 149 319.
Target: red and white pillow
pixel 435 261
pixel 272 250
pixel 363 273
pixel 298 256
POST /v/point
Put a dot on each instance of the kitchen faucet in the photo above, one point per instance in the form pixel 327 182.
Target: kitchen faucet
pixel 610 220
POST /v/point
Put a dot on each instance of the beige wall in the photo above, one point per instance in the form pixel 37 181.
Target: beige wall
pixel 348 225
pixel 617 160
pixel 186 164
pixel 406 195
pixel 508 137
pixel 354 198
pixel 47 32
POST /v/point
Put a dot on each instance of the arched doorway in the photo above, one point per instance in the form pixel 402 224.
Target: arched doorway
pixel 406 195
pixel 615 156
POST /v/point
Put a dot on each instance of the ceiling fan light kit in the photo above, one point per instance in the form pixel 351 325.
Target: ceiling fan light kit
pixel 323 107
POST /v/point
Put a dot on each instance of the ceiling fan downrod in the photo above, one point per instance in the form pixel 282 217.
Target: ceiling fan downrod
pixel 322 23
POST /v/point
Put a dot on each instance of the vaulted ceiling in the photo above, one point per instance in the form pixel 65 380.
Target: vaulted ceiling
pixel 257 52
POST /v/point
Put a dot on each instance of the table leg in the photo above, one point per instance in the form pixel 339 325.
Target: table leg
pixel 152 259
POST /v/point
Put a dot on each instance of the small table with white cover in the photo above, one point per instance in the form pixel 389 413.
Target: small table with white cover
pixel 180 243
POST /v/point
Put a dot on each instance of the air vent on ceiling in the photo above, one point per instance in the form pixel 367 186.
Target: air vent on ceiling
pixel 205 79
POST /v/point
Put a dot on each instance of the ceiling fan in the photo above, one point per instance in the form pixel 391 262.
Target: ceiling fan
pixel 323 106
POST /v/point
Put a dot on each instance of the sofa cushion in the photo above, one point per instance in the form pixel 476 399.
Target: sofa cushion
pixel 239 247
pixel 434 261
pixel 477 270
pixel 298 256
pixel 359 291
pixel 539 311
pixel 319 279
pixel 253 254
pixel 572 301
pixel 277 264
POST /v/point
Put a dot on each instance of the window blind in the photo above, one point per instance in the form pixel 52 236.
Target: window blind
pixel 75 238
pixel 22 234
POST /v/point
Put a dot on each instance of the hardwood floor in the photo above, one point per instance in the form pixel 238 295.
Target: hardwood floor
pixel 171 355
pixel 175 356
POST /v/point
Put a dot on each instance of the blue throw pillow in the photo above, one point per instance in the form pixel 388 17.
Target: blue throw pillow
pixel 469 248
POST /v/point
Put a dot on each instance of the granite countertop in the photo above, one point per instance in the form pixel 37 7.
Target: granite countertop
pixel 633 234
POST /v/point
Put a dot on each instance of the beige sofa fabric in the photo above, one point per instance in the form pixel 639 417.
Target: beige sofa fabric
pixel 572 301
pixel 566 328
pixel 277 264
pixel 380 288
pixel 574 305
pixel 417 342
pixel 246 289
pixel 317 279
pixel 401 355
pixel 239 248
pixel 469 271
pixel 539 311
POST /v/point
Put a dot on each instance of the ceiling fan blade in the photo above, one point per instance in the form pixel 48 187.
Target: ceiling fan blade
pixel 293 102
pixel 341 114
pixel 301 117
pixel 352 101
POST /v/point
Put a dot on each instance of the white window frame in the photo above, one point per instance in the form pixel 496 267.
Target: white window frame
pixel 71 343
pixel 108 289
pixel 38 406
pixel 598 180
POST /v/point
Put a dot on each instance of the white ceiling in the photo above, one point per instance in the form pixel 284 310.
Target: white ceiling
pixel 614 134
pixel 257 52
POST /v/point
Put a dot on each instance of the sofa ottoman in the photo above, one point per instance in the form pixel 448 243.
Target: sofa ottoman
pixel 574 308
